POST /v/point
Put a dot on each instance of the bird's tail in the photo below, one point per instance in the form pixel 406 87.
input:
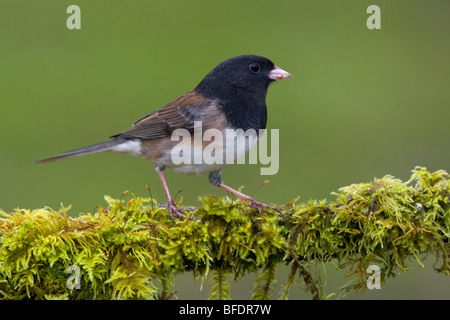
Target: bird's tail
pixel 99 147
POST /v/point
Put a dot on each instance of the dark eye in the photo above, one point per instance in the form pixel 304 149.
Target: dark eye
pixel 254 67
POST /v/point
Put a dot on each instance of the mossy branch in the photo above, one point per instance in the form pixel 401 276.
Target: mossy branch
pixel 133 250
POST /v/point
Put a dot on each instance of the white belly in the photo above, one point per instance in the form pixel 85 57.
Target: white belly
pixel 203 157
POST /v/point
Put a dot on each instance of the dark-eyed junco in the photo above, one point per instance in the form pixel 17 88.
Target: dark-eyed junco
pixel 231 96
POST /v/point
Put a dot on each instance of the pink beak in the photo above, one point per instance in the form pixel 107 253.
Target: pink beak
pixel 278 73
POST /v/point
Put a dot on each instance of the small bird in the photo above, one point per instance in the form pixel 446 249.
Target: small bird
pixel 231 96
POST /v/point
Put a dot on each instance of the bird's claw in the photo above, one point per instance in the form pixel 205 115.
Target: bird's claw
pixel 259 206
pixel 165 206
pixel 174 210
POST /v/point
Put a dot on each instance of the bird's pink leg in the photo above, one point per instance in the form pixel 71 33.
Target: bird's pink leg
pixel 170 204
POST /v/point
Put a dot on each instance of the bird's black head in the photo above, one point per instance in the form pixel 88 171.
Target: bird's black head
pixel 239 86
pixel 245 76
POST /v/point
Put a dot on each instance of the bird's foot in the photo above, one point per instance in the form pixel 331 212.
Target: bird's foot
pixel 165 206
pixel 253 202
pixel 259 206
pixel 175 211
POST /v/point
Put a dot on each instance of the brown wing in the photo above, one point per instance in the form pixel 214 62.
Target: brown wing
pixel 180 113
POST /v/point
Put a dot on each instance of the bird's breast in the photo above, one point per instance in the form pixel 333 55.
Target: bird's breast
pixel 210 150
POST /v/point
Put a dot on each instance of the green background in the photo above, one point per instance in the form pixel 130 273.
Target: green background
pixel 361 103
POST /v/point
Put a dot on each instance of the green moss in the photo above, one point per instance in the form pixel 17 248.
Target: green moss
pixel 132 249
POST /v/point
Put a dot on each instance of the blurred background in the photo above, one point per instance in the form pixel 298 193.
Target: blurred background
pixel 361 103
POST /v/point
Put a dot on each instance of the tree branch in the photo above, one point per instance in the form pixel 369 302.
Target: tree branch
pixel 132 249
